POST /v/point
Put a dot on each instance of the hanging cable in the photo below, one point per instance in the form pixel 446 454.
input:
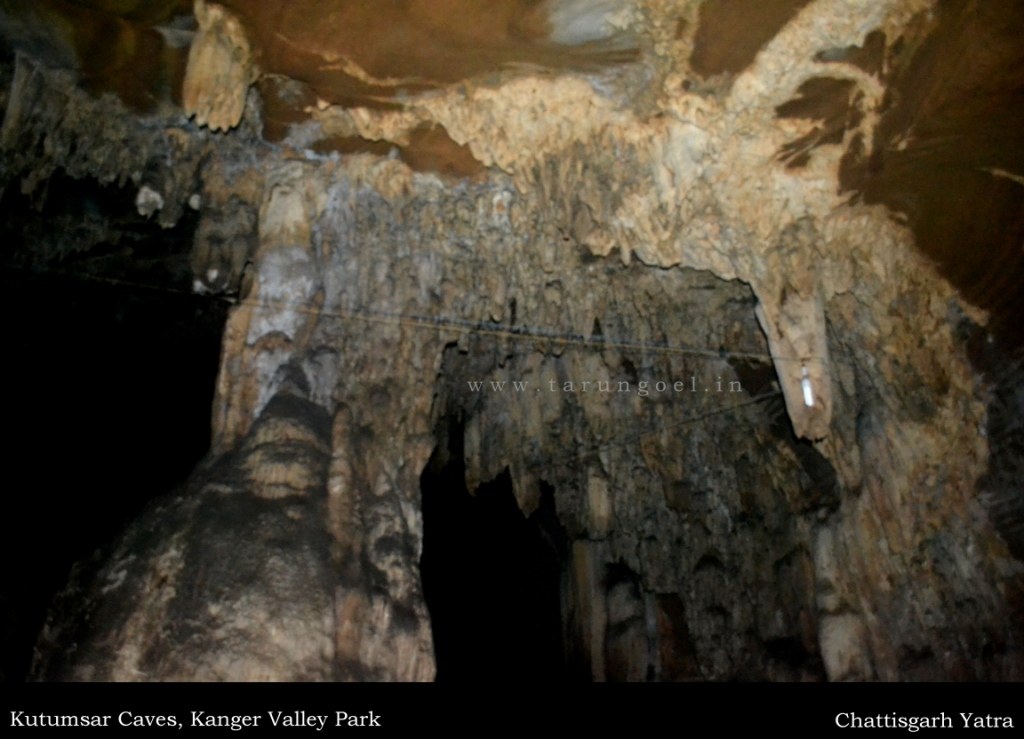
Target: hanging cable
pixel 439 323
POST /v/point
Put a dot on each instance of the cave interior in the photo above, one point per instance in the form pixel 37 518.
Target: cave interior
pixel 523 340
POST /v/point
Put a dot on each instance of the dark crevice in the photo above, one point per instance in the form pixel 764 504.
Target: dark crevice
pixel 1003 370
pixel 491 577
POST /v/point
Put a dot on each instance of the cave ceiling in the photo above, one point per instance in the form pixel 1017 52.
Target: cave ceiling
pixel 943 149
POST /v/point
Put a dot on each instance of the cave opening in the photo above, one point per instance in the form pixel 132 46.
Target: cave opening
pixel 111 373
pixel 492 577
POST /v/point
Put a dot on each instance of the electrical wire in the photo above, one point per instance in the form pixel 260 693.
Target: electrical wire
pixel 486 328
pixel 475 328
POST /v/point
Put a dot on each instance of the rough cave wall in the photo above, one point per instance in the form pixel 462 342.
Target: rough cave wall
pixel 652 208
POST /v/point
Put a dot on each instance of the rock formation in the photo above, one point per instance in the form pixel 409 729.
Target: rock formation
pixel 686 277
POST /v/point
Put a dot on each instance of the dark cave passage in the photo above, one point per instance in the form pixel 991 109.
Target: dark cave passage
pixel 491 578
pixel 111 384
